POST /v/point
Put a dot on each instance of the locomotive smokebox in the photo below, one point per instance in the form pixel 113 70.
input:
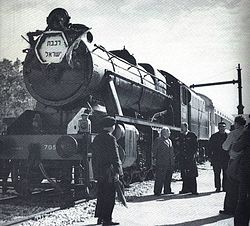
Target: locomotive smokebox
pixel 58 70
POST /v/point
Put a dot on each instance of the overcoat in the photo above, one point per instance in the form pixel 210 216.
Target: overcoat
pixel 105 156
pixel 219 157
pixel 243 144
pixel 242 213
pixel 164 153
pixel 186 149
pixel 106 163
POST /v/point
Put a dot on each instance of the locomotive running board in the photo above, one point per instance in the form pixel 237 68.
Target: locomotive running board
pixel 143 122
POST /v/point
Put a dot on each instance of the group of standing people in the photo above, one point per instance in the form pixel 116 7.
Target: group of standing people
pixel 108 169
pixel 186 148
pixel 230 153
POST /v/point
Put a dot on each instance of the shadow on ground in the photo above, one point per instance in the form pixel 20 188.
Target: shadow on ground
pixel 200 222
pixel 148 198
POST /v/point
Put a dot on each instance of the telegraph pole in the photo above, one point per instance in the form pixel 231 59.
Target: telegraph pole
pixel 240 106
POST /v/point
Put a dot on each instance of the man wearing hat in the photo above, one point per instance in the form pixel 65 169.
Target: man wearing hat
pixel 84 124
pixel 219 157
pixel 107 169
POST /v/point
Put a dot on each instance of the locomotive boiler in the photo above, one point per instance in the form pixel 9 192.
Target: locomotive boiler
pixel 70 76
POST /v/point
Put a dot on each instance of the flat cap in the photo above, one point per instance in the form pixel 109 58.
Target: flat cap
pixel 108 121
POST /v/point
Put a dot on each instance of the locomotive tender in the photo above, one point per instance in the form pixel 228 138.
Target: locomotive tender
pixel 69 76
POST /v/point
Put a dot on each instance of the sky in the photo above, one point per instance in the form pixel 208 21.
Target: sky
pixel 200 41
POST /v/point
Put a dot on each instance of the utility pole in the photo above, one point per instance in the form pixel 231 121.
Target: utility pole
pixel 240 106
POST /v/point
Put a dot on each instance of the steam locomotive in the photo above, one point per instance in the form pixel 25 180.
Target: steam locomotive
pixel 70 76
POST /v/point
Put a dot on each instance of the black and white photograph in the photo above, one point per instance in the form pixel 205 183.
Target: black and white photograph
pixel 124 112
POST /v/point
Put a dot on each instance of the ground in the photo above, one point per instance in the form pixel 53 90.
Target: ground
pixel 191 210
pixel 144 209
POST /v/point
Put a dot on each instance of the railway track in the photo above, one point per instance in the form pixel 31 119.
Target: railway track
pixel 39 211
pixel 4 199
pixel 39 215
pixel 8 197
pixel 35 206
pixel 83 210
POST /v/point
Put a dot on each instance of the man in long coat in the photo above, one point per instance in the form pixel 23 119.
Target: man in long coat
pixel 107 169
pixel 187 147
pixel 242 212
pixel 219 157
pixel 232 192
pixel 164 156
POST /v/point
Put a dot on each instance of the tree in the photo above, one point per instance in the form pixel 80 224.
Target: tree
pixel 14 97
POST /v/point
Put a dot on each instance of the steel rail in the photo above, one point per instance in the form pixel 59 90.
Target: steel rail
pixel 39 215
